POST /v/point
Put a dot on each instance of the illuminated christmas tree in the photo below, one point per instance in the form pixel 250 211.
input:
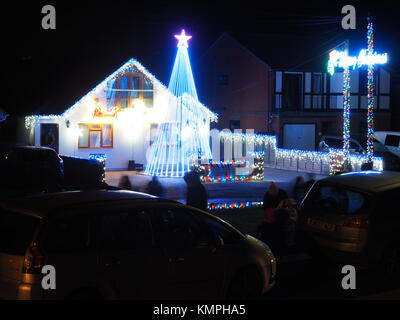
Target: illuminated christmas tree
pixel 183 139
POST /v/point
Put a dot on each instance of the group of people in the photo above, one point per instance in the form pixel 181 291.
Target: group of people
pixel 196 194
pixel 281 214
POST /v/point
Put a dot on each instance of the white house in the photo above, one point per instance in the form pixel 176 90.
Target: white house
pixel 117 120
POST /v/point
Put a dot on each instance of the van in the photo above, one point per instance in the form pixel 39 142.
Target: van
pixel 351 219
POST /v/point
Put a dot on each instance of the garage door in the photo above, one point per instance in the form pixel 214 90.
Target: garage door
pixel 299 136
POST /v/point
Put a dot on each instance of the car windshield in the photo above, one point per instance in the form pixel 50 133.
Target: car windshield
pixel 336 199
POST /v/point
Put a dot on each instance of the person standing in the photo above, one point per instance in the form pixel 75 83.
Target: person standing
pixel 299 191
pixel 155 188
pixel 272 198
pixel 196 194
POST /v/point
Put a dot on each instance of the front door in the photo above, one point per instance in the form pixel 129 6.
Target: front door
pixel 49 136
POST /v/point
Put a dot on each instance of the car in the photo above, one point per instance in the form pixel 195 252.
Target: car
pixel 109 244
pixel 26 168
pixel 390 139
pixel 391 159
pixel 350 218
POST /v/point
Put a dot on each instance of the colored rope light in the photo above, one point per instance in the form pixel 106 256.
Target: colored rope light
pixel 346 113
pixel 371 98
pixel 232 205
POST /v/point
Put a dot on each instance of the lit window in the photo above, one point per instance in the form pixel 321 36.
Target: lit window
pixel 95 136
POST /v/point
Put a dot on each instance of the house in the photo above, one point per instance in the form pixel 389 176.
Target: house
pixel 118 120
pixel 297 104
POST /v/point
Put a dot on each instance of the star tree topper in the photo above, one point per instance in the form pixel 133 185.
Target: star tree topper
pixel 183 39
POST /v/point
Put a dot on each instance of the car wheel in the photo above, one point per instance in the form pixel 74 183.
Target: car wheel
pixel 247 284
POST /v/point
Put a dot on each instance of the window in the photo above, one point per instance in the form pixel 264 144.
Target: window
pixel 124 93
pixel 317 83
pixel 135 86
pixel 292 98
pixel 392 140
pixel 127 88
pixel 227 234
pixel 68 234
pixel 176 228
pixel 338 200
pixel 125 230
pixel 95 136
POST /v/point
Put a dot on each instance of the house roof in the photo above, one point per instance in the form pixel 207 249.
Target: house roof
pixel 285 52
pixel 128 65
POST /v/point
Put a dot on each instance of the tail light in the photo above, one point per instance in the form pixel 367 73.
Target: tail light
pixel 359 223
pixel 34 260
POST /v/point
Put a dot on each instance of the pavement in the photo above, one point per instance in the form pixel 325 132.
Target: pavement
pixel 217 192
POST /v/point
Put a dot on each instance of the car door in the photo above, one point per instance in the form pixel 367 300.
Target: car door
pixel 133 267
pixel 195 256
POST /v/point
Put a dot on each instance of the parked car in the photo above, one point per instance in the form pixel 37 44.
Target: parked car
pixel 126 245
pixel 390 139
pixel 391 160
pixel 351 219
pixel 31 169
pixel 82 173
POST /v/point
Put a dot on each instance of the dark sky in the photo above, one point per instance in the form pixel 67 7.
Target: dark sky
pixel 51 69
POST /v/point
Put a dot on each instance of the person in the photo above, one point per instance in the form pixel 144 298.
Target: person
pixel 290 205
pixel 125 183
pixel 272 198
pixel 155 188
pixel 196 194
pixel 299 189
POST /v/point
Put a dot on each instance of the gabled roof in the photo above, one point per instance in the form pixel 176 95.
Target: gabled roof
pixel 285 52
pixel 131 63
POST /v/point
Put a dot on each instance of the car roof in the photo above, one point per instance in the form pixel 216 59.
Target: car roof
pixel 40 206
pixel 31 148
pixel 368 181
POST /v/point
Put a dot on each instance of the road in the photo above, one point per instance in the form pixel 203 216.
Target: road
pixel 301 278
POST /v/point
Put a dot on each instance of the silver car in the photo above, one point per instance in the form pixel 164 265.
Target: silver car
pixel 125 245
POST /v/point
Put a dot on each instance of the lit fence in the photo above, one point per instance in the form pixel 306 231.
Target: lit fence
pixel 323 163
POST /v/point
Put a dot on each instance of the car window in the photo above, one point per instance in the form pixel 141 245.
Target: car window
pixel 336 199
pixel 334 143
pixel 16 232
pixel 226 233
pixel 68 234
pixel 174 227
pixel 125 229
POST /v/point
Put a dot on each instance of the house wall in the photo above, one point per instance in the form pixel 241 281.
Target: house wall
pixel 325 109
pixel 131 130
pixel 235 83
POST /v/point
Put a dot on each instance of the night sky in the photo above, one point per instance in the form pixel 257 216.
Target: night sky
pixel 48 70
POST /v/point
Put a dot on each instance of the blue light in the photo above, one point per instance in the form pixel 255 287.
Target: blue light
pixel 183 138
